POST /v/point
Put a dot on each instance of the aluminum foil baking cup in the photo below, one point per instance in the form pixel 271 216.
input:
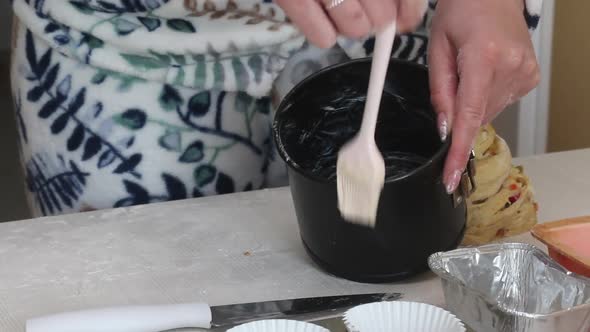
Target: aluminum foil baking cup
pixel 512 287
pixel 401 316
pixel 278 325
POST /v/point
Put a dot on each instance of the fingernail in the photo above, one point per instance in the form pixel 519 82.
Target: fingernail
pixel 453 181
pixel 443 127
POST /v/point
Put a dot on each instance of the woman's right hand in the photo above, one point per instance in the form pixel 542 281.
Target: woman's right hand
pixel 321 21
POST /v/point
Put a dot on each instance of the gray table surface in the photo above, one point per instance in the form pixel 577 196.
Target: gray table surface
pixel 225 249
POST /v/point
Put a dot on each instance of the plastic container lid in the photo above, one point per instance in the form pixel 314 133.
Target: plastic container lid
pixel 567 242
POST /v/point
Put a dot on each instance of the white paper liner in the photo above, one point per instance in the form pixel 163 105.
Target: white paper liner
pixel 278 325
pixel 401 316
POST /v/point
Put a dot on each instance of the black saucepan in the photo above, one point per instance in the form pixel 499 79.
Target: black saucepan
pixel 416 217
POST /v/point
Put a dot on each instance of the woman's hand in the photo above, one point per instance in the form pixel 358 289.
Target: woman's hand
pixel 481 59
pixel 321 21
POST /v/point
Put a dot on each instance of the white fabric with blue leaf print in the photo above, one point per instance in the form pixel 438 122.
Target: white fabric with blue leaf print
pixel 125 102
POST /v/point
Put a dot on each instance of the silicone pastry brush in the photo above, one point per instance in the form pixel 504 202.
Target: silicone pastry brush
pixel 360 169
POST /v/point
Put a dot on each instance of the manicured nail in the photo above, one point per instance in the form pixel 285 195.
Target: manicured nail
pixel 453 181
pixel 443 127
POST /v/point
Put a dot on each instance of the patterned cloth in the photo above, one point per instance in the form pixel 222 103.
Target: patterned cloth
pixel 125 102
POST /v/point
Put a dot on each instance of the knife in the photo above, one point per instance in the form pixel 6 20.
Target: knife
pixel 157 318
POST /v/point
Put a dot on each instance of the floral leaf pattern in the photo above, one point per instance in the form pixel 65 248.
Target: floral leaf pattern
pixel 212 69
pixel 76 139
pixel 59 124
pixel 122 23
pixel 171 141
pixel 181 25
pixel 175 188
pixel 170 99
pixel 144 63
pixel 137 194
pixel 132 118
pixel 150 23
pixel 188 110
pixel 106 158
pixel 205 174
pixel 117 6
pixel 199 104
pixel 124 27
pixel 193 153
pixel 225 184
pixel 55 187
pixel 256 15
pixel 129 164
pixel 144 138
pixel 91 148
pixel 55 106
pixel 126 82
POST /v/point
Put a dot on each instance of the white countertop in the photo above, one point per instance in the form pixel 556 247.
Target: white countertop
pixel 224 249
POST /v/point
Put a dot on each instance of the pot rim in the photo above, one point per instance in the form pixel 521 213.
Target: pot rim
pixel 443 149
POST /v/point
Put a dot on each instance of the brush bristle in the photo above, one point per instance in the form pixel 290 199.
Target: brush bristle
pixel 359 190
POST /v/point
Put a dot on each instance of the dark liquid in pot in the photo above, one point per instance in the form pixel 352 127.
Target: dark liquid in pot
pixel 314 132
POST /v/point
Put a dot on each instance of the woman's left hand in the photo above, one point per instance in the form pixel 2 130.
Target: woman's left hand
pixel 481 60
pixel 321 21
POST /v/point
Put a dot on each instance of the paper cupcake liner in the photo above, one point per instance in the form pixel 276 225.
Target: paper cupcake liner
pixel 401 316
pixel 278 325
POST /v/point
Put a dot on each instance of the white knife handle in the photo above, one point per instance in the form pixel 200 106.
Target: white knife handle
pixel 126 319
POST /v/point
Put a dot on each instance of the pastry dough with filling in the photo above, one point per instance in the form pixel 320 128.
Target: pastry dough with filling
pixel 502 204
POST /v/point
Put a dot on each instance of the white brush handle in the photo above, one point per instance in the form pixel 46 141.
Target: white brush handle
pixel 126 319
pixel 381 57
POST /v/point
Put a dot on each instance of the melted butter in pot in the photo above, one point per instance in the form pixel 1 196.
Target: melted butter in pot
pixel 314 132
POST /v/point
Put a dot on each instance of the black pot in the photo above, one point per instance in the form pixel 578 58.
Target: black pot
pixel 416 217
